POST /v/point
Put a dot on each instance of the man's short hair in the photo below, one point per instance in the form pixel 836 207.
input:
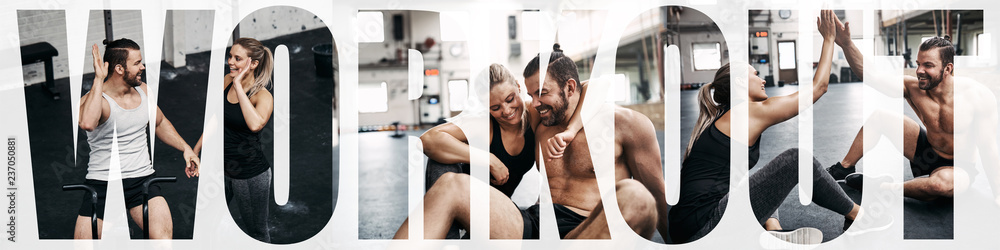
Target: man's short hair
pixel 116 53
pixel 560 67
pixel 945 48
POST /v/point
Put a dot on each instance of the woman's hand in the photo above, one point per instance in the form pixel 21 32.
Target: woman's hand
pixel 498 171
pixel 556 146
pixel 238 80
pixel 827 24
pixel 100 66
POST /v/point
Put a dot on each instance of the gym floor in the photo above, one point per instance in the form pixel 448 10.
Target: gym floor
pixel 313 179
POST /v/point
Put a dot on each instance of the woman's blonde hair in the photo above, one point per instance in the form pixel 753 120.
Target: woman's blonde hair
pixel 258 52
pixel 712 106
pixel 500 75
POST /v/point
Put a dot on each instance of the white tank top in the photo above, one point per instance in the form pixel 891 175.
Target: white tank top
pixel 132 140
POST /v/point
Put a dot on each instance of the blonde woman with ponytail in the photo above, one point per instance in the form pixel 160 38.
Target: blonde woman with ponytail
pixel 247 108
pixel 706 170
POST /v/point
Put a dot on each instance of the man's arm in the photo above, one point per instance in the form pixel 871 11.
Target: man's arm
pixel 165 131
pixel 642 153
pixel 446 143
pixel 91 104
pixel 851 51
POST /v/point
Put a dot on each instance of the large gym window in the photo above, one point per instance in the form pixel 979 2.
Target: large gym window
pixel 707 56
pixel 458 93
pixel 983 44
pixel 374 97
pixel 786 55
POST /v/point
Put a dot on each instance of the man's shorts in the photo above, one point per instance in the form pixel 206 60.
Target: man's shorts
pixel 925 159
pixel 133 194
pixel 566 221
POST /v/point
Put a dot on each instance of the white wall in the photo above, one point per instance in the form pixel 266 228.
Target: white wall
pixel 187 31
pixel 50 26
pixel 277 21
pixel 44 26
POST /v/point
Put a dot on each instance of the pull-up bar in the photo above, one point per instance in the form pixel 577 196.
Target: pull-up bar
pixel 108 35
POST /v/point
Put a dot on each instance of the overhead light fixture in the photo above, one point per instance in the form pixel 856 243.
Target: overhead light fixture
pixel 456 50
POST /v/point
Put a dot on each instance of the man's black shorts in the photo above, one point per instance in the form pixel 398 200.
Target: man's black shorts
pixel 566 220
pixel 133 194
pixel 925 159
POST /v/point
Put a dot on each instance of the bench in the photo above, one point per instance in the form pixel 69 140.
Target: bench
pixel 42 52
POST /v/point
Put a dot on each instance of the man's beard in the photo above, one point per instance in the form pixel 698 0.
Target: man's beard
pixel 132 80
pixel 931 81
pixel 557 114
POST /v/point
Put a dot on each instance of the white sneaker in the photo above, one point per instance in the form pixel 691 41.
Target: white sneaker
pixel 803 236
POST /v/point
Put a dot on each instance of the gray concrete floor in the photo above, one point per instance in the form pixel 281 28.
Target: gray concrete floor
pixel 837 117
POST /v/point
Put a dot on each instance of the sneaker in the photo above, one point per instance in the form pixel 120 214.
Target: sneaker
pixel 856 180
pixel 869 223
pixel 839 172
pixel 803 236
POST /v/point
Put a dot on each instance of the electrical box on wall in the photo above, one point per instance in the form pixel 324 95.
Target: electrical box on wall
pixel 432 85
pixel 430 109
pixel 759 45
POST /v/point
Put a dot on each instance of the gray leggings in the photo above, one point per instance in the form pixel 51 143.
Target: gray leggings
pixel 771 184
pixel 253 198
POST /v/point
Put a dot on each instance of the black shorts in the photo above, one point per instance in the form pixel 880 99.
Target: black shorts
pixel 133 194
pixel 566 220
pixel 925 159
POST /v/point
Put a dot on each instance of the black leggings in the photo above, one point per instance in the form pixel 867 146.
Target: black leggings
pixel 771 184
pixel 253 199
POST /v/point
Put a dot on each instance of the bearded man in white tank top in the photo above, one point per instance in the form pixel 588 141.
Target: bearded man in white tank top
pixel 120 104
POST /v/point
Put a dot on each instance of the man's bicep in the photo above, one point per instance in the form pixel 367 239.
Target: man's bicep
pixel 642 150
pixel 159 116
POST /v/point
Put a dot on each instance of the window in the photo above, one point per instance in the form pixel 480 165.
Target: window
pixel 983 45
pixel 786 55
pixel 622 88
pixel 458 93
pixel 707 56
pixel 373 97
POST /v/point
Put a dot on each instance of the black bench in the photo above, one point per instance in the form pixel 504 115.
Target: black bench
pixel 42 52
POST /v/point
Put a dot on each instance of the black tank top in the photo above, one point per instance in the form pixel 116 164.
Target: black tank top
pixel 516 165
pixel 244 152
pixel 704 181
